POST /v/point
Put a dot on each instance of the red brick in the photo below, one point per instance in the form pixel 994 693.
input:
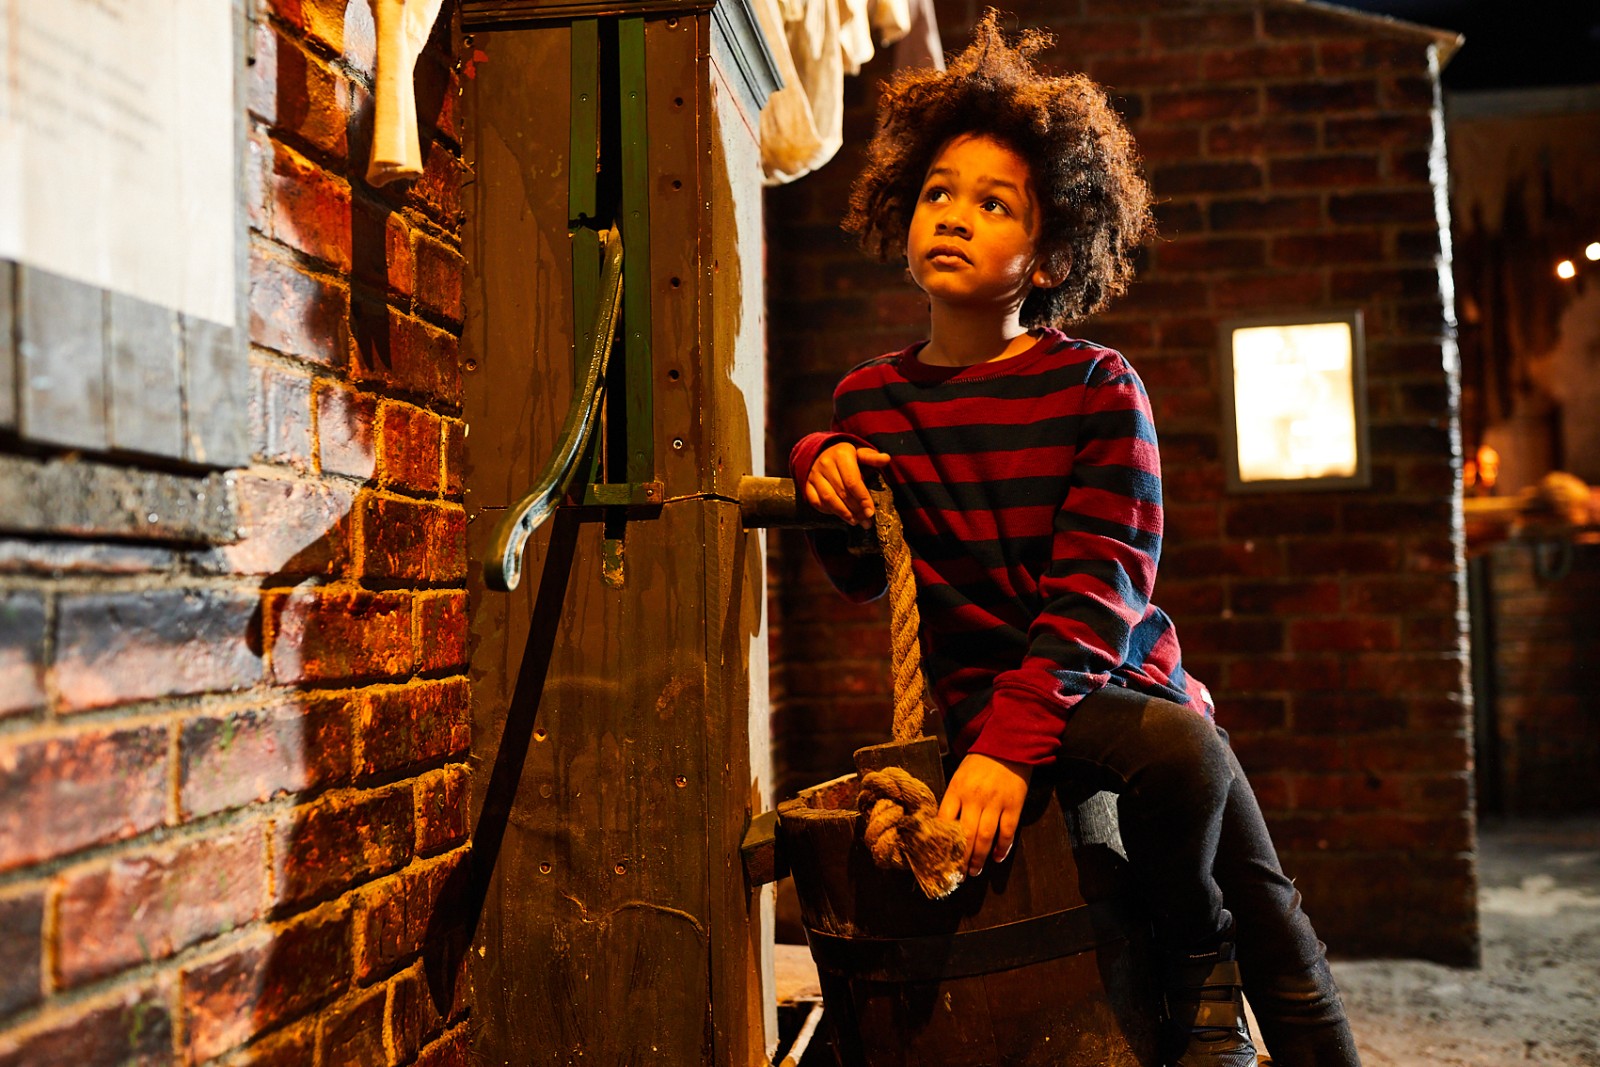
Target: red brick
pixel 242 757
pixel 1346 713
pixel 1284 597
pixel 1205 177
pixel 1320 249
pixel 269 979
pixel 397 727
pixel 1252 714
pixel 1196 599
pixel 131 1026
pixel 1324 171
pixel 21 948
pixel 323 23
pixel 346 431
pixel 1169 142
pixel 1197 31
pixel 1261 137
pixel 352 1034
pixel 395 350
pixel 1267 517
pixel 392 917
pixel 1321 97
pixel 1259 61
pixel 280 416
pixel 1384 130
pixel 1348 634
pixel 1205 105
pixel 309 101
pixel 149 905
pixel 455 457
pixel 340 841
pixel 411 539
pixel 1343 555
pixel 1235 636
pixel 117 647
pixel 22 626
pixel 411 447
pixel 442 631
pixel 1275 213
pixel 438 93
pixel 382 248
pixel 310 209
pixel 1146 71
pixel 327 634
pixel 291 528
pixel 441 815
pixel 1371 53
pixel 1396 516
pixel 1283 673
pixel 80 789
pixel 1398 594
pixel 1211 254
pixel 293 1046
pixel 1268 290
pixel 296 313
pixel 438 191
pixel 1426 673
pixel 439 276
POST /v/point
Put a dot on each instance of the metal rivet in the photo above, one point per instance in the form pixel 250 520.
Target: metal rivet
pixel 677 444
pixel 544 868
pixel 540 734
pixel 680 781
pixel 621 868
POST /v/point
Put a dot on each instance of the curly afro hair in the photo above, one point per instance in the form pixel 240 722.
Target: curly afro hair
pixel 1085 167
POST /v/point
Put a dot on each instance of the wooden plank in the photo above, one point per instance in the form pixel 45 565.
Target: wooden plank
pixel 63 363
pixel 216 375
pixel 633 101
pixel 144 368
pixel 8 345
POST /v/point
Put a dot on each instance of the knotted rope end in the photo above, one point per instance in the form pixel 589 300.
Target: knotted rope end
pixel 904 831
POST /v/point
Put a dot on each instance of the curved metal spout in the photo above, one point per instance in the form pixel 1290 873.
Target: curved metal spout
pixel 502 570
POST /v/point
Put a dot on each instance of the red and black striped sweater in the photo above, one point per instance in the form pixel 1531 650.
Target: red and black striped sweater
pixel 1030 492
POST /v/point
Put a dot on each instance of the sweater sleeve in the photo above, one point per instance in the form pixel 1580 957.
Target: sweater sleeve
pixel 845 555
pixel 1105 546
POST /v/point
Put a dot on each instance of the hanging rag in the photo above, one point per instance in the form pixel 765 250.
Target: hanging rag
pixel 403 27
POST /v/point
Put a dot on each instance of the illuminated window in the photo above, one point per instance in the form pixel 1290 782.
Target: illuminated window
pixel 1294 395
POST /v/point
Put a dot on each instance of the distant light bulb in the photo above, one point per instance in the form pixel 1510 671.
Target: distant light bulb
pixel 1592 252
pixel 1565 269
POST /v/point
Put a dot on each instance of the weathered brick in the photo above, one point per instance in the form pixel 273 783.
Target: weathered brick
pixel 353 1033
pixel 1183 30
pixel 346 431
pixel 324 24
pixel 116 647
pixel 1378 131
pixel 1155 70
pixel 411 539
pixel 1321 97
pixel 293 1046
pixel 1211 254
pixel 280 417
pixel 1348 634
pixel 1236 636
pixel 21 947
pixel 382 248
pixel 1275 213
pixel 291 528
pixel 339 841
pixel 1398 283
pixel 308 101
pixel 411 447
pixel 439 274
pixel 1258 674
pixel 1346 555
pixel 241 757
pixel 1302 597
pixel 150 905
pixel 310 209
pixel 442 631
pixel 131 1026
pixel 415 1017
pixel 296 313
pixel 455 457
pixel 1266 517
pixel 1322 249
pixel 1331 171
pixel 80 789
pixel 56 558
pixel 1278 289
pixel 392 917
pixel 22 625
pixel 269 979
pixel 1227 139
pixel 441 815
pixel 393 349
pixel 1258 61
pixel 438 191
pixel 1371 53
pixel 397 727
pixel 452 1050
pixel 327 634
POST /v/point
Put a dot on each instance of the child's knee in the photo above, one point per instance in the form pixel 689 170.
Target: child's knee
pixel 1186 746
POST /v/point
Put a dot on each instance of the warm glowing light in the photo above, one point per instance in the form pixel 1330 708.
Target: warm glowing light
pixel 1566 269
pixel 1488 466
pixel 1592 251
pixel 1294 401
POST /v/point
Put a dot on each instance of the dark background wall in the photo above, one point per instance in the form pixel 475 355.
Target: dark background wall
pixel 1297 159
pixel 233 710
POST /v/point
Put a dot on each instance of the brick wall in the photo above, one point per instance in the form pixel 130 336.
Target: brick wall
pixel 1291 150
pixel 233 774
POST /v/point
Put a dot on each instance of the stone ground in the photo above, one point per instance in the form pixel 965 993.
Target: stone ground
pixel 1536 1000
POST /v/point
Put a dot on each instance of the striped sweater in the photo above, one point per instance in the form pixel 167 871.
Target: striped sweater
pixel 1030 493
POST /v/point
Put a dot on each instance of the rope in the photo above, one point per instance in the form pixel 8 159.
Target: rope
pixel 904 830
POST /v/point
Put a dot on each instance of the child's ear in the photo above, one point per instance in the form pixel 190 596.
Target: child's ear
pixel 1049 274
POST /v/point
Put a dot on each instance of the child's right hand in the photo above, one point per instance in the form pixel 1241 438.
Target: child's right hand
pixel 835 486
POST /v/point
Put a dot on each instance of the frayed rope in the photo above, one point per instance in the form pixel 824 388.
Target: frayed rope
pixel 904 831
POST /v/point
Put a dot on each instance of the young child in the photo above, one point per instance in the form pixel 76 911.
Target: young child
pixel 1025 469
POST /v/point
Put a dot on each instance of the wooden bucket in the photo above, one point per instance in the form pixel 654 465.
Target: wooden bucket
pixel 1037 961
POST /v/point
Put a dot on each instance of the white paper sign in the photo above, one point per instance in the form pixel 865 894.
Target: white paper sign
pixel 117 146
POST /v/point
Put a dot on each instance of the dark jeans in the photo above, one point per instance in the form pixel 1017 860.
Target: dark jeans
pixel 1203 859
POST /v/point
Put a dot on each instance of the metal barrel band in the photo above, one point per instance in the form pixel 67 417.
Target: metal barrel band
pixel 968 953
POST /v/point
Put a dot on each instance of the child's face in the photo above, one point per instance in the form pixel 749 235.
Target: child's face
pixel 973 234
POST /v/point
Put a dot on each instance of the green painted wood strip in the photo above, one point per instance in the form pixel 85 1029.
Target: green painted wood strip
pixel 635 225
pixel 582 208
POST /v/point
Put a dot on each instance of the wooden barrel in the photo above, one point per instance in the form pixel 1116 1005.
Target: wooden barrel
pixel 1039 960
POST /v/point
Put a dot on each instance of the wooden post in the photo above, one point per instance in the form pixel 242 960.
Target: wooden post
pixel 620 728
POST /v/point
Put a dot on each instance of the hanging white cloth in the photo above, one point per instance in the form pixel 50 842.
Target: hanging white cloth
pixel 403 27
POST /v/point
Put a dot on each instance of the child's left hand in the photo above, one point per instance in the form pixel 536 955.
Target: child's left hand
pixel 985 796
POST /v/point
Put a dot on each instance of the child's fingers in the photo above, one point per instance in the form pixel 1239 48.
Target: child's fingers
pixel 828 500
pixel 857 498
pixel 872 457
pixel 988 823
pixel 1008 833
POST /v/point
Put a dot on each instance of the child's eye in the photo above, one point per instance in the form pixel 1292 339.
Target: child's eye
pixel 935 195
pixel 992 204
